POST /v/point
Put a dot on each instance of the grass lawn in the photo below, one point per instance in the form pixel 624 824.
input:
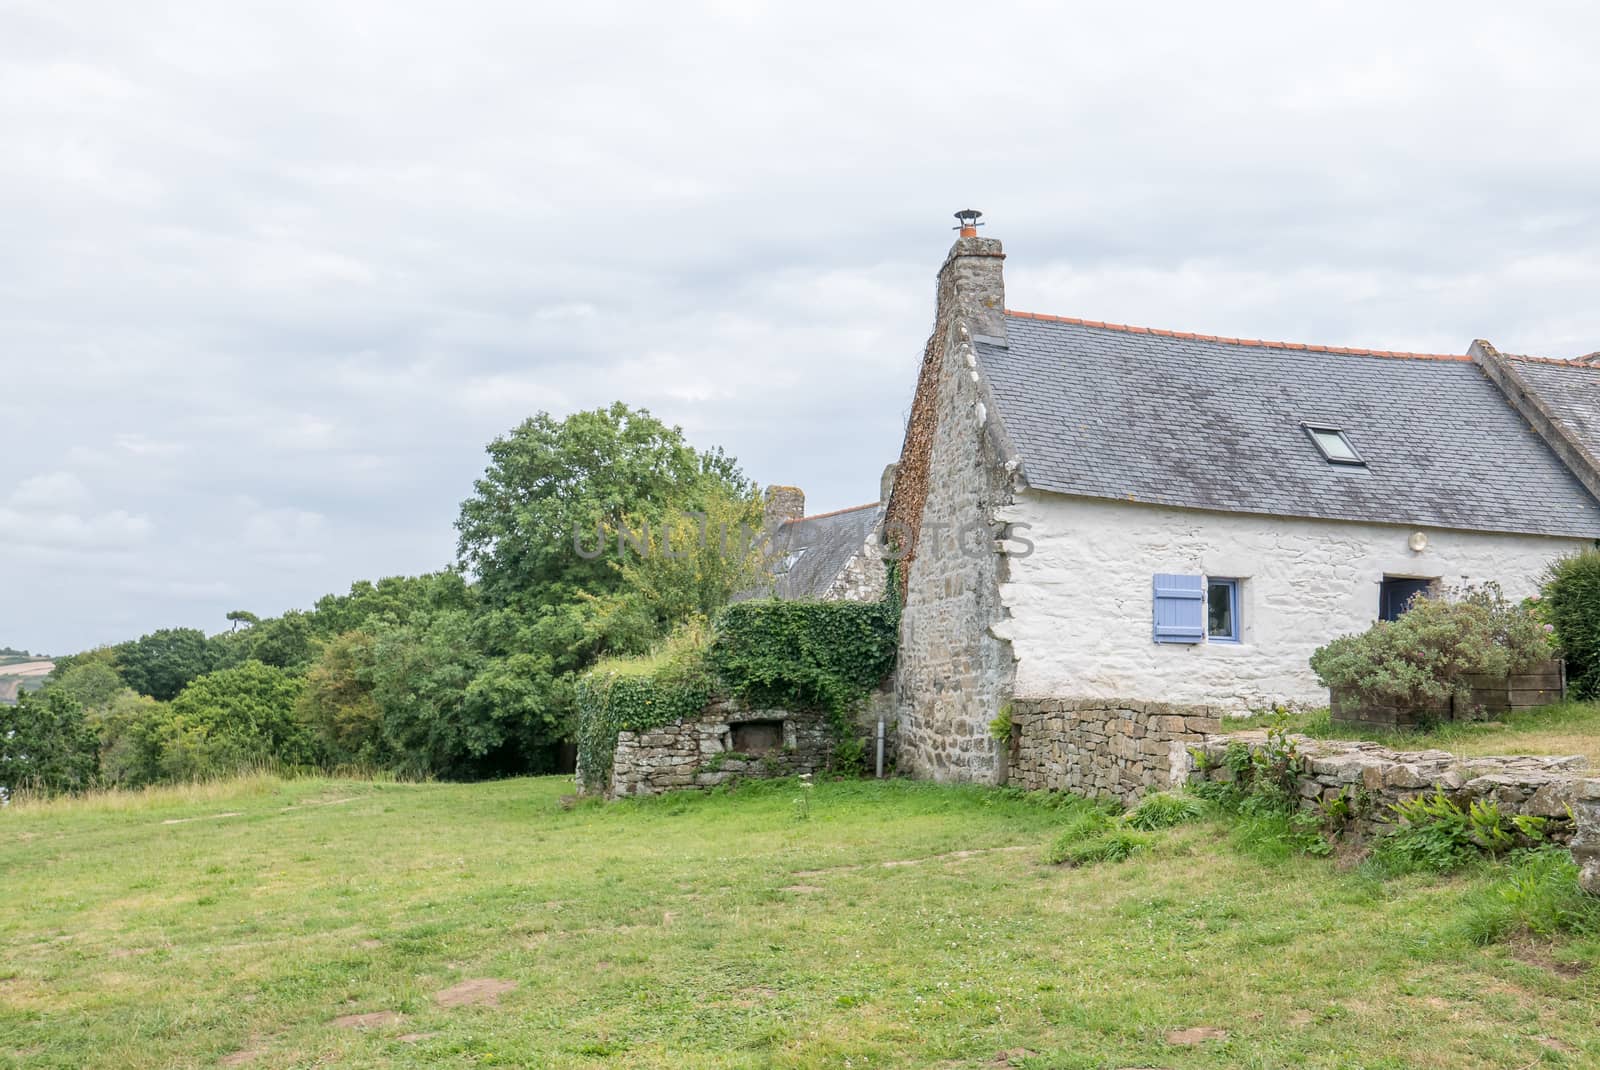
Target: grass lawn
pixel 268 923
pixel 1564 728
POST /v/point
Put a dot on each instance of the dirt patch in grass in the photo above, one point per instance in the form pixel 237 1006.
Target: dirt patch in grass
pixel 208 817
pixel 478 992
pixel 370 1020
pixel 801 889
pixel 1196 1035
pixel 1531 953
pixel 896 863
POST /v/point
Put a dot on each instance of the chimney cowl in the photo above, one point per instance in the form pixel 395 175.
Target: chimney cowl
pixel 969 222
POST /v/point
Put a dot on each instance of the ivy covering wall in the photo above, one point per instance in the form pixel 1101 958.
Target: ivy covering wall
pixel 769 653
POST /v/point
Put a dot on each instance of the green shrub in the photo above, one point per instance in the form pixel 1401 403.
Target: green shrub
pixel 1539 894
pixel 1436 834
pixel 1424 658
pixel 1571 605
pixel 1164 810
pixel 671 683
pixel 235 719
pixel 1114 844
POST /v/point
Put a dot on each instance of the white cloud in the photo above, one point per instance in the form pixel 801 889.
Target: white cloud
pixel 317 255
pixel 54 491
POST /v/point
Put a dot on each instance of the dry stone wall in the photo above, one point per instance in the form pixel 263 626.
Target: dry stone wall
pixel 1104 749
pixel 1122 750
pixel 730 741
pixel 706 751
pixel 1373 778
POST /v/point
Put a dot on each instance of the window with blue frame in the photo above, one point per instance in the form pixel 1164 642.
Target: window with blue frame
pixel 1222 611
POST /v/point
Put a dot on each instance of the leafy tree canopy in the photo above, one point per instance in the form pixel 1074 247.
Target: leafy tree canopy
pixel 46 742
pixel 162 663
pixel 551 483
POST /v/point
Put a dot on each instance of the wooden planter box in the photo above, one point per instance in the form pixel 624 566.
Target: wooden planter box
pixel 1490 695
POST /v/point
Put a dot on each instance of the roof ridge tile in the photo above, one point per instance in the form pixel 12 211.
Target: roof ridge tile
pixel 1257 342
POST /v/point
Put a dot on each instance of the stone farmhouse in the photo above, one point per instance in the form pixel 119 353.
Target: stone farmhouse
pixel 1125 534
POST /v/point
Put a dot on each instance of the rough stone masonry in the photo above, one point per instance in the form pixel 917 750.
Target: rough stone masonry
pixel 1122 750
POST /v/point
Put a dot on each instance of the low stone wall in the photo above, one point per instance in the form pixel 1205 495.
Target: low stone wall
pixel 708 750
pixel 1122 750
pixel 1104 748
pixel 1373 778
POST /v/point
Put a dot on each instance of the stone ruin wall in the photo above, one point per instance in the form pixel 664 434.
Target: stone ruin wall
pixel 703 753
pixel 1122 750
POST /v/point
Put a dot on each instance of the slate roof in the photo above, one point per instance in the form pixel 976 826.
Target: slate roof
pixel 1570 391
pixel 1206 423
pixel 824 543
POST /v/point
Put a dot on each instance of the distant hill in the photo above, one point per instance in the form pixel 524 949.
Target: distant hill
pixel 21 673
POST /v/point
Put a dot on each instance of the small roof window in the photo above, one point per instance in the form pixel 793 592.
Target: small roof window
pixel 1334 443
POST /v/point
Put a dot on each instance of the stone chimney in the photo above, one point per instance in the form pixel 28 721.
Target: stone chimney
pixel 783 503
pixel 972 285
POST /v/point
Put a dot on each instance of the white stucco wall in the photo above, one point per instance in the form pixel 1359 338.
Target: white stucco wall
pixel 1080 604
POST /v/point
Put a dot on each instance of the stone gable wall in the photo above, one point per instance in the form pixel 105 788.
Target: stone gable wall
pixel 954 672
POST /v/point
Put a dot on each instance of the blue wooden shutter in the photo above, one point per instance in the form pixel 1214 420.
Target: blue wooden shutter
pixel 1180 608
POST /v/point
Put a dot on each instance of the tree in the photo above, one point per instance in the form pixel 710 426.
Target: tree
pixel 242 616
pixel 420 674
pixel 131 729
pixel 286 642
pixel 394 598
pixel 337 701
pixel 92 684
pixel 162 663
pixel 235 718
pixel 46 742
pixel 552 485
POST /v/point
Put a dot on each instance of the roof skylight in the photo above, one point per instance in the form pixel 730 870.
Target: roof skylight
pixel 1335 445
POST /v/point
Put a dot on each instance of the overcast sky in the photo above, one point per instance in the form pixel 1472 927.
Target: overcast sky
pixel 271 275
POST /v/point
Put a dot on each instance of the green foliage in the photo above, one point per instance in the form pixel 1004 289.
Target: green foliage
pixel 694 564
pixel 551 484
pixel 809 656
pixel 130 727
pixel 805 655
pixel 162 663
pixel 92 684
pixel 1000 728
pixel 1263 795
pixel 337 703
pixel 1161 809
pixel 286 642
pixel 235 719
pixel 1571 605
pixel 1538 894
pixel 47 744
pixel 1424 658
pixel 1436 834
pixel 1089 840
pixel 631 694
